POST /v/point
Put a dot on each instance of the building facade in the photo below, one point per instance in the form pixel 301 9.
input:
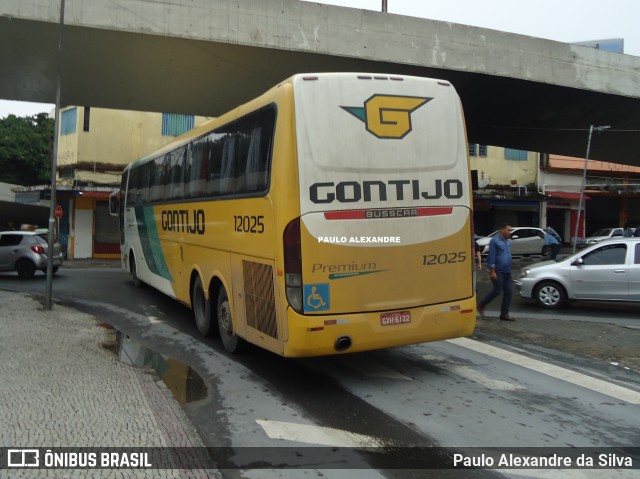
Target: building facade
pixel 611 197
pixel 94 147
pixel 505 187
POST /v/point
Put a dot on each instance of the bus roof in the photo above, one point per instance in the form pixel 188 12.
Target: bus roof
pixel 260 101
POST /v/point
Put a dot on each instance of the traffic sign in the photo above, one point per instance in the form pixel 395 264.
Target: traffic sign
pixel 58 211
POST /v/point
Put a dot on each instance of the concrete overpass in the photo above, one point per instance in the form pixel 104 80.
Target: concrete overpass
pixel 206 56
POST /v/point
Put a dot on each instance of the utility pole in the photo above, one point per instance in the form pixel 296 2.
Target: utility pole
pixel 54 168
pixel 384 5
pixel 584 183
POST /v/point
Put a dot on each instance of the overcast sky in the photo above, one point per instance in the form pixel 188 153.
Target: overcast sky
pixel 561 20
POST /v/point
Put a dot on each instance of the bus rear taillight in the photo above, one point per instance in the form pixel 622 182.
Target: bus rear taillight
pixel 293 265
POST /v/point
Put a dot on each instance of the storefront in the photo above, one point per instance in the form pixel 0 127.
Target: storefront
pixel 560 212
pixel 489 213
pixel 86 229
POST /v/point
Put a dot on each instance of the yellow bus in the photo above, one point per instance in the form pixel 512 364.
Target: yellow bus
pixel 332 214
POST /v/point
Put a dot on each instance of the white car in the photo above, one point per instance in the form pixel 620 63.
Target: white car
pixel 600 235
pixel 524 240
pixel 606 271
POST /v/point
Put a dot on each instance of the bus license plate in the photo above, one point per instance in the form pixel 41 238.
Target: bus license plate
pixel 401 317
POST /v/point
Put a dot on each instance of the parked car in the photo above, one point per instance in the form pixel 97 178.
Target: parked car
pixel 26 252
pixel 598 236
pixel 524 240
pixel 606 271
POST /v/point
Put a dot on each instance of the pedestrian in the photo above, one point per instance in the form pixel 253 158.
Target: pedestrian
pixel 628 231
pixel 552 242
pixel 499 262
pixel 478 255
pixel 478 259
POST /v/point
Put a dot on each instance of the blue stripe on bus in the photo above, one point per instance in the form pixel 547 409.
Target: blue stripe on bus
pixel 151 248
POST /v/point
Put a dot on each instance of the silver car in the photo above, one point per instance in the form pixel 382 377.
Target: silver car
pixel 600 235
pixel 26 252
pixel 607 271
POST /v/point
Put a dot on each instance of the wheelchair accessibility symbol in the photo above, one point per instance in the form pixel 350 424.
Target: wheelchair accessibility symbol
pixel 316 297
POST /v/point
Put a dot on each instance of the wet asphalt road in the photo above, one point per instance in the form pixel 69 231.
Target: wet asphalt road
pixel 460 393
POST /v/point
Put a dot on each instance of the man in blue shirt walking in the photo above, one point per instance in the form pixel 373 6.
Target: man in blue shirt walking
pixel 552 242
pixel 499 261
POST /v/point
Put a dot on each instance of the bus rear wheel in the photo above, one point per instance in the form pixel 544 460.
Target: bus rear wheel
pixel 201 307
pixel 230 341
pixel 134 273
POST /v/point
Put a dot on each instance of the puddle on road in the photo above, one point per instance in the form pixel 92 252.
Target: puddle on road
pixel 185 384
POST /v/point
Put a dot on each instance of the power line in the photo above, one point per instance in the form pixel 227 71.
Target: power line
pixel 612 130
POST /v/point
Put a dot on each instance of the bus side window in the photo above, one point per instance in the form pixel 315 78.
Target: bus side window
pixel 196 169
pixel 144 183
pixel 214 162
pixel 174 189
pixel 156 177
pixel 240 154
pixel 227 180
pixel 132 190
pixel 259 153
pixel 256 172
pixel 256 133
pixel 242 157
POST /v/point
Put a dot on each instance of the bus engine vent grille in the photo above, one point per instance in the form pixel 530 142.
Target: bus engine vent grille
pixel 259 297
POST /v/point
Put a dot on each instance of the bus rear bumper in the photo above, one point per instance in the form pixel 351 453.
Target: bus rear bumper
pixel 315 335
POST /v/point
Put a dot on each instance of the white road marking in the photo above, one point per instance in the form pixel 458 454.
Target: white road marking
pixel 476 376
pixel 472 374
pixel 582 380
pixel 571 473
pixel 547 473
pixel 311 434
pixel 153 319
pixel 373 369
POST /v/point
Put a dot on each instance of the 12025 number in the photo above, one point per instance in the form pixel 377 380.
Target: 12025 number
pixel 249 224
pixel 444 258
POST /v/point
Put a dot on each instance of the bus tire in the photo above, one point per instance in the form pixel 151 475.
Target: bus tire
pixel 201 307
pixel 134 273
pixel 230 341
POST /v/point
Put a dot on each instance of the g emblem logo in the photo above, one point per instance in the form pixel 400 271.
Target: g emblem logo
pixel 387 116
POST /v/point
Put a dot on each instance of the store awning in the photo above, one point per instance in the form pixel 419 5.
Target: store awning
pixel 96 194
pixel 566 195
pixel 20 213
